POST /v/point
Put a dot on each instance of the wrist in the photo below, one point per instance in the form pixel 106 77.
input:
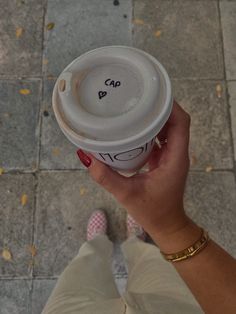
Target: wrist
pixel 183 235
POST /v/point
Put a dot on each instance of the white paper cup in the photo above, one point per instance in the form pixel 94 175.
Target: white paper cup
pixel 112 102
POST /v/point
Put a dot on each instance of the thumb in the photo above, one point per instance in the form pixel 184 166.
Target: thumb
pixel 111 180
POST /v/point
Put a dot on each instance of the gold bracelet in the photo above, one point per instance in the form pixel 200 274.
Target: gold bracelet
pixel 190 251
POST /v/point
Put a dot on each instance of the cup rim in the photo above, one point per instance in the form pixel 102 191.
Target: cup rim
pixel 122 144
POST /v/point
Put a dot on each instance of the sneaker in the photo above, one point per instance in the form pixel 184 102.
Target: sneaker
pixel 134 229
pixel 97 225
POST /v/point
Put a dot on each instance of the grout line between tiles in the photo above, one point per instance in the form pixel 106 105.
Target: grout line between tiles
pixel 38 163
pixel 85 170
pixel 35 78
pixel 227 91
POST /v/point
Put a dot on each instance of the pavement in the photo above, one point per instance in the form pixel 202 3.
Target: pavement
pixel 46 194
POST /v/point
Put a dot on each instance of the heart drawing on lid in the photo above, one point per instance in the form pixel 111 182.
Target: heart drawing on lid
pixel 102 94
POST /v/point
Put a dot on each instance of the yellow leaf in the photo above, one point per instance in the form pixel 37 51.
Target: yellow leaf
pixel 158 33
pixel 56 151
pixel 6 254
pixel 24 91
pixel 82 191
pixel 24 199
pixel 193 160
pixel 1 171
pixel 209 169
pixel 19 32
pixel 219 90
pixel 50 26
pixel 45 61
pixel 33 250
pixel 138 22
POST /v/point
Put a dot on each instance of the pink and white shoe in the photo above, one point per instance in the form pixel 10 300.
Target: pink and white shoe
pixel 97 225
pixel 134 229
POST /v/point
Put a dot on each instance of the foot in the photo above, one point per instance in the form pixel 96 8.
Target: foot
pixel 97 225
pixel 134 229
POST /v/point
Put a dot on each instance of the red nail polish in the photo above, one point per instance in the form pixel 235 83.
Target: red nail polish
pixel 86 160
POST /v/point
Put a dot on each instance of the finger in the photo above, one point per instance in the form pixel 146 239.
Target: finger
pixel 156 157
pixel 111 180
pixel 178 127
pixel 162 135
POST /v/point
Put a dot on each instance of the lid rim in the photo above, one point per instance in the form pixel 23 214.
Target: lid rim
pixel 122 144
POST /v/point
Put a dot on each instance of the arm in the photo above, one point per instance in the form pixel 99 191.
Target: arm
pixel 155 200
pixel 210 275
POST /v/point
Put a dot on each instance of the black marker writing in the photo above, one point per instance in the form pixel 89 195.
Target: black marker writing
pixel 110 82
pixel 102 94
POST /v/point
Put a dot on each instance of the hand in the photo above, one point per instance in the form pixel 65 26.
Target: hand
pixel 155 198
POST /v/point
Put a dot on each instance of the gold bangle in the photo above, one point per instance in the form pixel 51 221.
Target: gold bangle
pixel 190 251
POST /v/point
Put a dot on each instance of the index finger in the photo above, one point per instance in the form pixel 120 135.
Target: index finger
pixel 177 132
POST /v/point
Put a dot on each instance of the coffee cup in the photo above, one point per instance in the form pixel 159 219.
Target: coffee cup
pixel 112 102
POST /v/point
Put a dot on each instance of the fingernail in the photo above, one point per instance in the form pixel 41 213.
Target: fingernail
pixel 85 159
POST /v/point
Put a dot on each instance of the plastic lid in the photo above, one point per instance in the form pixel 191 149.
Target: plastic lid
pixel 112 98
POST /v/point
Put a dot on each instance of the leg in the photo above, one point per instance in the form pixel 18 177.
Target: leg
pixel 150 274
pixel 153 284
pixel 87 284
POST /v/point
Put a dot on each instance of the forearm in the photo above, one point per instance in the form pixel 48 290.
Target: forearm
pixel 210 275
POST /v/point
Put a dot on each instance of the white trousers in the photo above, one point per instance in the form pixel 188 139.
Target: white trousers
pixel 87 286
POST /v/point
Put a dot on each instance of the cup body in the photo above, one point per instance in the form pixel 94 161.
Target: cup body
pixel 112 102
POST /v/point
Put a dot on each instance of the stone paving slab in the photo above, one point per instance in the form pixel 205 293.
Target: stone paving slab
pixel 232 102
pixel 210 143
pixel 19 123
pixel 183 35
pixel 228 19
pixel 21 54
pixel 65 203
pixel 210 201
pixel 56 150
pixel 186 37
pixel 42 289
pixel 15 297
pixel 16 223
pixel 80 27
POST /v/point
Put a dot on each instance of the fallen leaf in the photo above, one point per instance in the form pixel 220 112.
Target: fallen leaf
pixel 50 77
pixel 82 191
pixel 209 169
pixel 24 199
pixel 6 115
pixel 219 90
pixel 158 33
pixel 138 22
pixel 50 26
pixel 45 61
pixel 19 32
pixel 1 171
pixel 6 254
pixel 193 160
pixel 56 151
pixel 24 91
pixel 33 250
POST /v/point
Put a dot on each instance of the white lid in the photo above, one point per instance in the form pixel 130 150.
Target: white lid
pixel 112 99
